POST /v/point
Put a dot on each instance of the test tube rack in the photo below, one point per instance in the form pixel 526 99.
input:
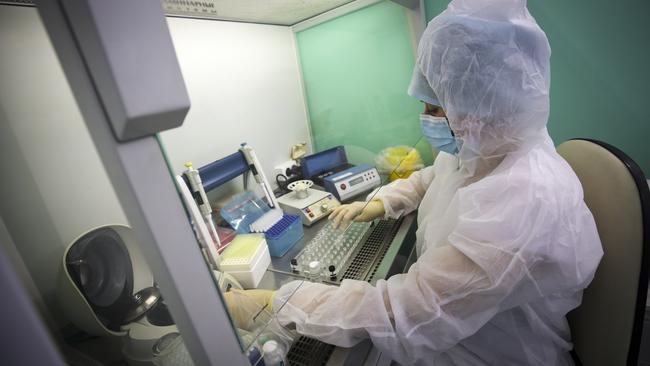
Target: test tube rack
pixel 326 254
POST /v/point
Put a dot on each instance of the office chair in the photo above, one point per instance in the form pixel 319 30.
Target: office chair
pixel 607 327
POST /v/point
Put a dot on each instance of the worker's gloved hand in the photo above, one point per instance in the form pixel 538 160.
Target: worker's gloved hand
pixel 357 211
pixel 245 305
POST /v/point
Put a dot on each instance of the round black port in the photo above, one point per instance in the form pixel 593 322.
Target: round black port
pixel 160 315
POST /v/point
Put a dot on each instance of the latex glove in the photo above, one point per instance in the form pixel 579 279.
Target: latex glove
pixel 357 211
pixel 245 305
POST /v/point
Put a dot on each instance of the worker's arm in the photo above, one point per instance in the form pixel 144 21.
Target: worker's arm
pixel 403 196
pixel 391 201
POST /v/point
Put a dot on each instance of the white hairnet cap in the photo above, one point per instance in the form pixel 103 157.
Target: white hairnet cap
pixel 486 63
pixel 420 88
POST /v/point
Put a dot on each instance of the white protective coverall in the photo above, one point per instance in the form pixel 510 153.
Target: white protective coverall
pixel 505 241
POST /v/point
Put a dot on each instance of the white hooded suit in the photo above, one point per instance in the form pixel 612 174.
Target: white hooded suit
pixel 505 241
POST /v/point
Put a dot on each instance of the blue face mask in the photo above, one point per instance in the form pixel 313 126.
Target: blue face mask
pixel 437 132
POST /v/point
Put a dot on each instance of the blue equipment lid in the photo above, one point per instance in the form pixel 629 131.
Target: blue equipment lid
pixel 315 164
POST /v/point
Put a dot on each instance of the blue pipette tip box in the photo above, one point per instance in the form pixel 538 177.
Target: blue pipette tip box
pixel 284 235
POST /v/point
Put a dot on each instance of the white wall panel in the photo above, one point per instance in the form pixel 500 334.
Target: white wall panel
pixel 244 86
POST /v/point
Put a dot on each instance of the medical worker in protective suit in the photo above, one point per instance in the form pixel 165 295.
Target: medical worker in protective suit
pixel 505 242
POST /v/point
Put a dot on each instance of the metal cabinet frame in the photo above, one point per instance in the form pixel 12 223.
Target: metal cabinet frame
pixel 139 173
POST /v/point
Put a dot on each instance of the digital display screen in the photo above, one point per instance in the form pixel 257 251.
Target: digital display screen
pixel 356 181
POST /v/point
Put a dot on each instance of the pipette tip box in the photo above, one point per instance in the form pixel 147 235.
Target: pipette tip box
pixel 284 235
pixel 246 259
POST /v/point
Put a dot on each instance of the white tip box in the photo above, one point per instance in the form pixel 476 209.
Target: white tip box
pixel 246 259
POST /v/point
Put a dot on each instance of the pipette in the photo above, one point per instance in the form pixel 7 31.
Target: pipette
pixel 201 199
pixel 205 237
pixel 256 168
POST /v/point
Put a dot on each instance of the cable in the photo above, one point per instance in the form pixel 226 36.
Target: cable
pixel 285 181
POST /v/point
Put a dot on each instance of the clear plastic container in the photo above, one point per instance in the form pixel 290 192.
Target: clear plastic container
pixel 242 210
pixel 274 354
pixel 170 351
pixel 399 161
pixel 284 235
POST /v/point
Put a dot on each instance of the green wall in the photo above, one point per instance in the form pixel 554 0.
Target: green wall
pixel 599 70
pixel 356 69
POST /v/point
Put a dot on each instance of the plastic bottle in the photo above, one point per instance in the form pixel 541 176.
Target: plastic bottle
pixel 255 357
pixel 273 354
pixel 314 271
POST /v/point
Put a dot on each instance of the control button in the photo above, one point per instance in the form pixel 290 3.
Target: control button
pixel 311 214
pixel 324 207
pixel 308 209
pixel 343 186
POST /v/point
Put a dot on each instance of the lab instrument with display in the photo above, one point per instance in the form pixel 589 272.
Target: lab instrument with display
pixel 353 181
pixel 310 204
